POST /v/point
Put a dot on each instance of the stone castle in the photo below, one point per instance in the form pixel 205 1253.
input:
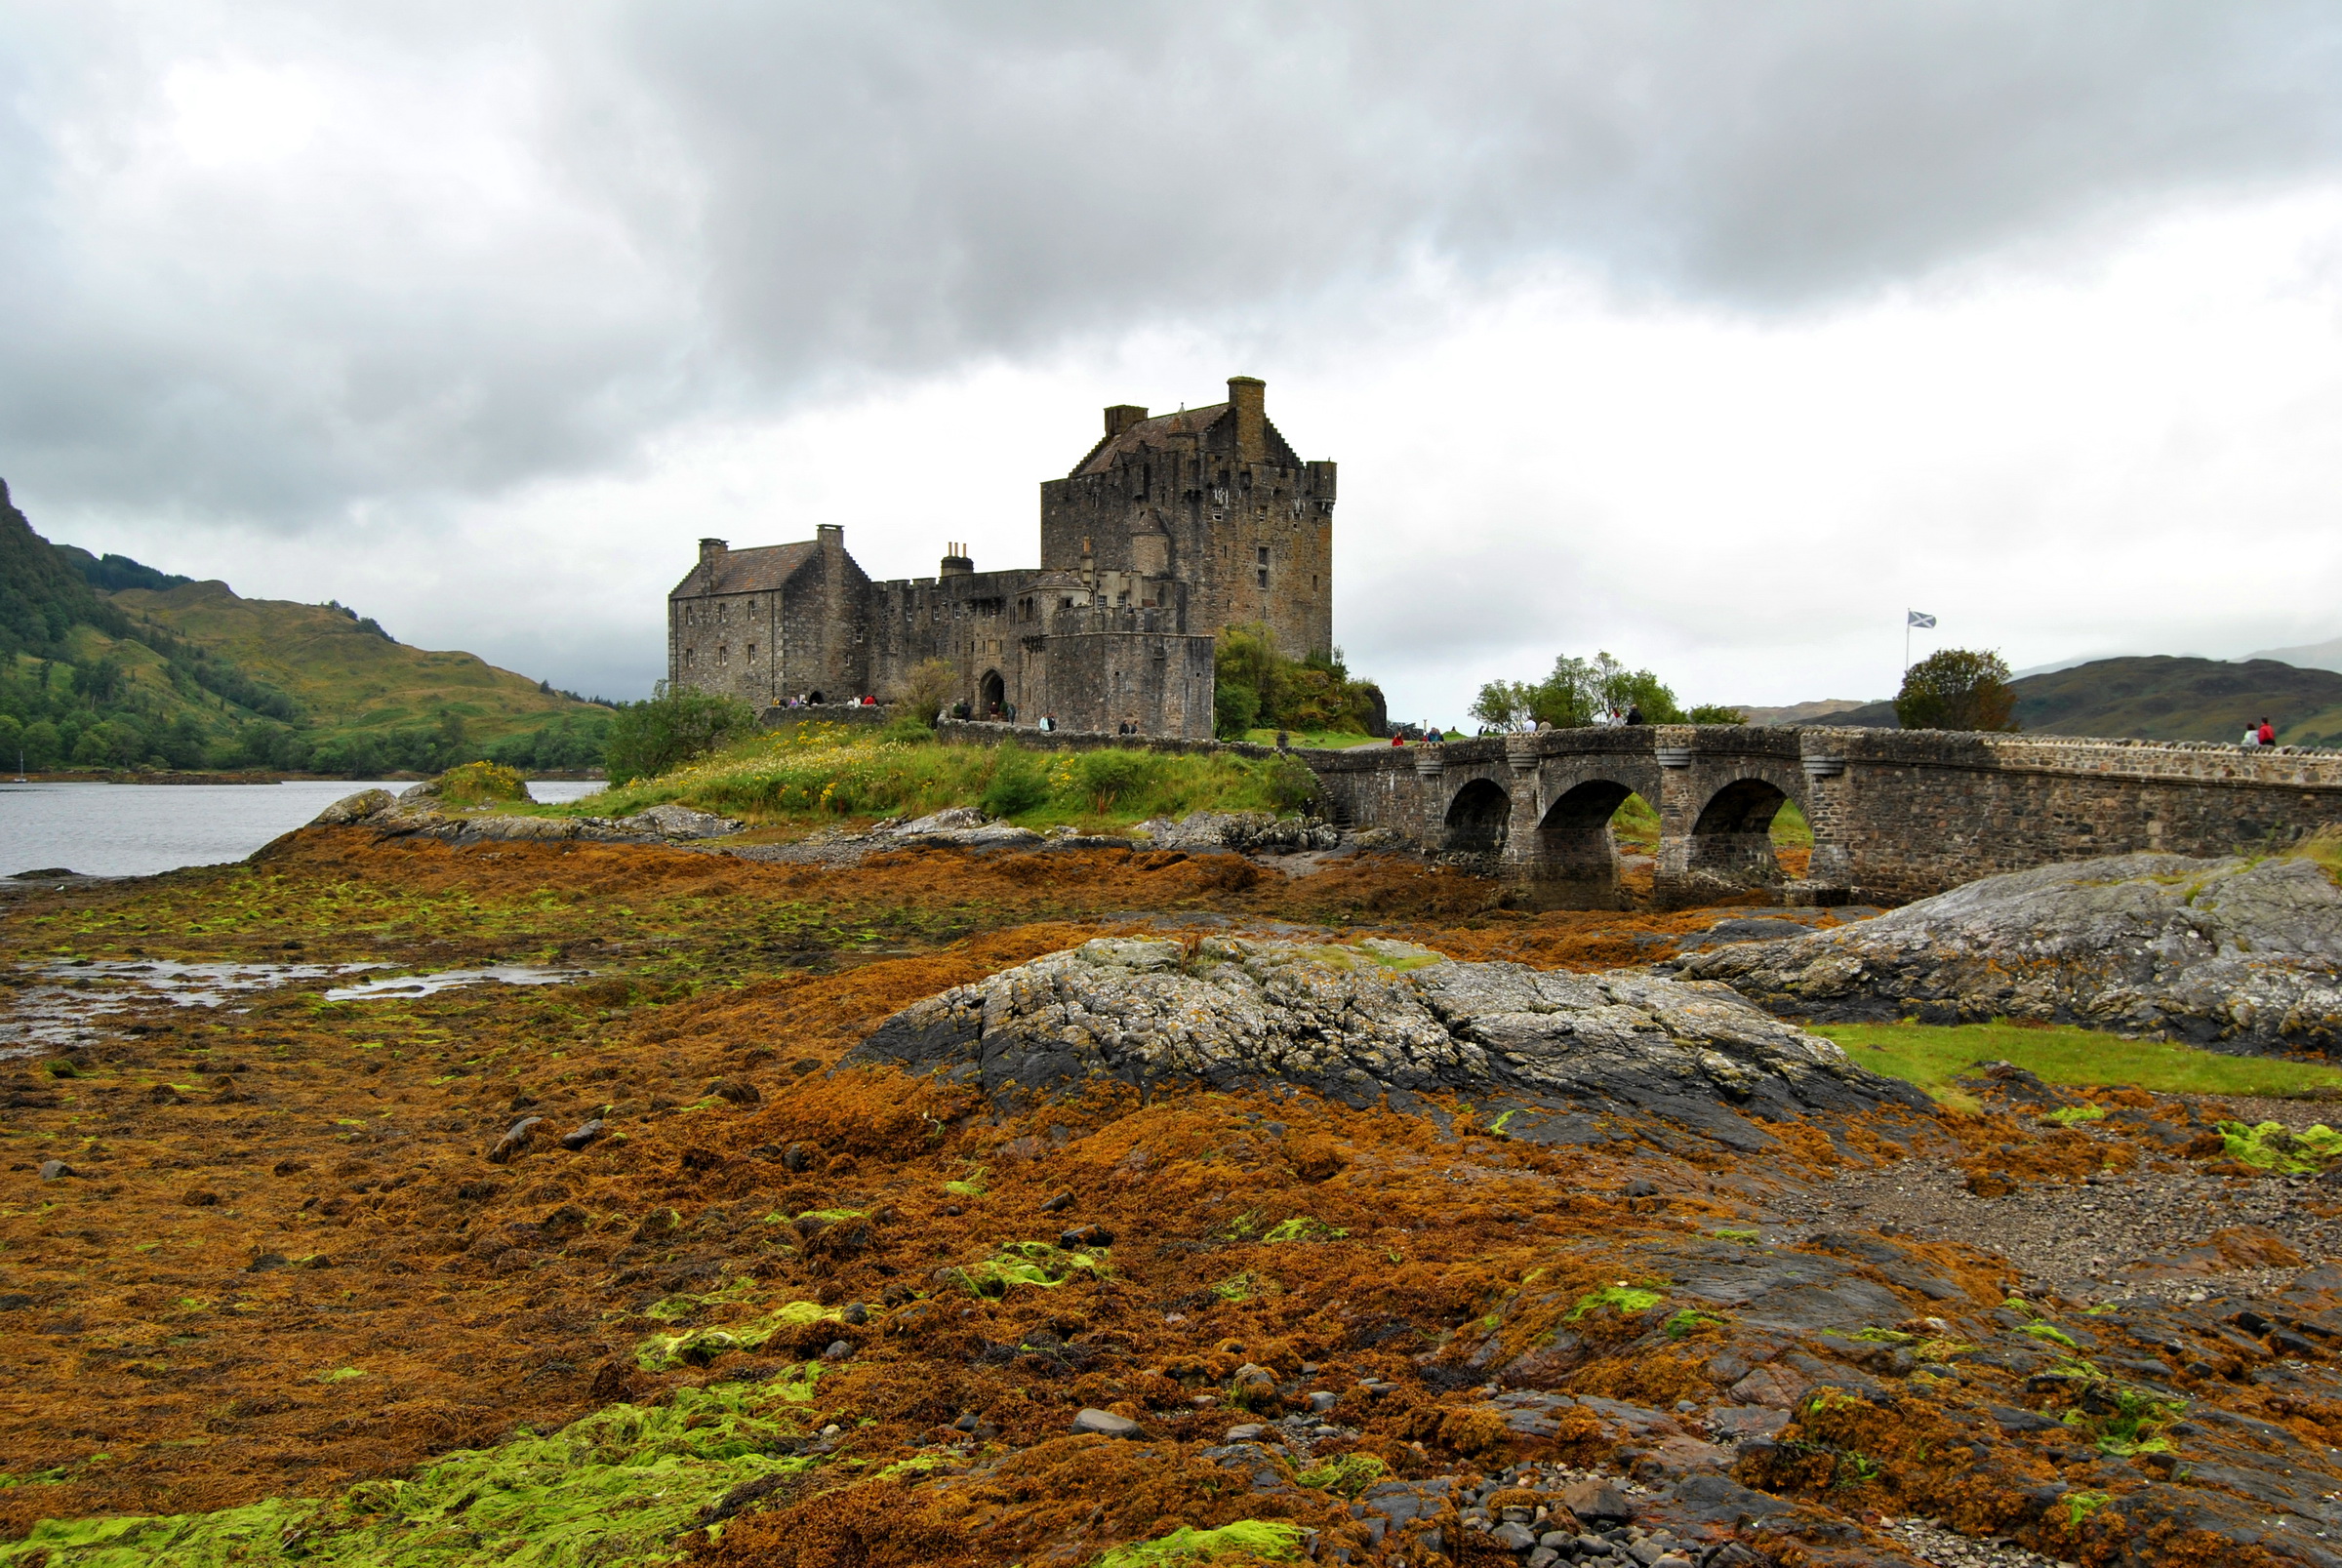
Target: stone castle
pixel 1169 529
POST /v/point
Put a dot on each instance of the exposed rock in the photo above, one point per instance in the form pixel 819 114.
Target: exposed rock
pixel 671 821
pixel 1104 1423
pixel 516 1139
pixel 417 813
pixel 354 808
pixel 2236 955
pixel 55 1170
pixel 584 1134
pixel 1537 1052
pixel 1247 832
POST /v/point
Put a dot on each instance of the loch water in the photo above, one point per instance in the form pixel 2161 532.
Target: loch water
pixel 109 829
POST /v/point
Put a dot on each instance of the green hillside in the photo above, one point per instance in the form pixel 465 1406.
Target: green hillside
pixel 2167 699
pixel 106 663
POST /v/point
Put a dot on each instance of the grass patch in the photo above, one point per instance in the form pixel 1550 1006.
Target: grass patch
pixel 1328 740
pixel 1932 1055
pixel 828 772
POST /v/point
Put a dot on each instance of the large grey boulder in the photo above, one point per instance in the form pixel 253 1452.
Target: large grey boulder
pixel 1248 831
pixel 2237 954
pixel 1573 1058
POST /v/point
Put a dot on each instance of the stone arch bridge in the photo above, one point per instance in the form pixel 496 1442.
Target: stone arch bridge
pixel 1896 813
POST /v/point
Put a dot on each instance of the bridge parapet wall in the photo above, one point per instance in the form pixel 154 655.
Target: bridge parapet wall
pixel 1915 812
pixel 1896 813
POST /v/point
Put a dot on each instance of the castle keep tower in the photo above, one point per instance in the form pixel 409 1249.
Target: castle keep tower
pixel 1207 507
pixel 1169 529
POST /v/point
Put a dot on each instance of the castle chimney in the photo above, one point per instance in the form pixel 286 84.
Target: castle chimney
pixel 1248 395
pixel 1121 417
pixel 711 548
pixel 829 535
pixel 956 561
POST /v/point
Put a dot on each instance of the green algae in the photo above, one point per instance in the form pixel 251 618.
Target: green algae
pixel 1622 1298
pixel 2272 1147
pixel 1688 1322
pixel 1345 1474
pixel 2068 1115
pixel 1257 1537
pixel 1302 1227
pixel 662 1352
pixel 614 1488
pixel 1027 1262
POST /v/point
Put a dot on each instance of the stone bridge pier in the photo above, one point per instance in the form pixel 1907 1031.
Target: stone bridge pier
pixel 1896 814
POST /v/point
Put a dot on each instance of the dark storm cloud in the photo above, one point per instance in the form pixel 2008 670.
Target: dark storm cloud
pixel 707 207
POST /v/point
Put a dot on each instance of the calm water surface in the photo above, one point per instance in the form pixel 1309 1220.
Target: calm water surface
pixel 104 829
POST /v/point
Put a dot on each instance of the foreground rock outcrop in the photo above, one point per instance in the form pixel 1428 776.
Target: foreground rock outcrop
pixel 1552 1058
pixel 418 813
pixel 2237 954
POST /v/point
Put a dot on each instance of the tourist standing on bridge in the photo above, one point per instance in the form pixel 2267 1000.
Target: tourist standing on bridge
pixel 2266 734
pixel 1634 714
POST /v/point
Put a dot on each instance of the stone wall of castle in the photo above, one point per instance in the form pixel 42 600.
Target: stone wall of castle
pixel 1171 527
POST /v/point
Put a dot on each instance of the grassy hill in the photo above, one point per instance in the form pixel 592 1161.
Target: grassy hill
pixel 2165 698
pixel 106 663
pixel 351 679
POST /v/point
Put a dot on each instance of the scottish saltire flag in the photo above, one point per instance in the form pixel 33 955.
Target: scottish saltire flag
pixel 1917 620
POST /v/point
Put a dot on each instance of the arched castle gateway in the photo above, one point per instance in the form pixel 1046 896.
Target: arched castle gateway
pixel 1170 528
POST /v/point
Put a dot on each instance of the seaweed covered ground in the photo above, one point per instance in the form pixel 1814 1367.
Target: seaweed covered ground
pixel 300 1266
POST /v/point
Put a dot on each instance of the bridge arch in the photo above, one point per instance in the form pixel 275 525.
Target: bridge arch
pixel 1479 816
pixel 1731 840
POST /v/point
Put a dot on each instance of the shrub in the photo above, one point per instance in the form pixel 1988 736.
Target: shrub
pixel 1019 783
pixel 478 783
pixel 1108 776
pixel 672 727
pixel 1957 689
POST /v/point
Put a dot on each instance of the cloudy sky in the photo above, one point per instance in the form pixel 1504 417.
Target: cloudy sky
pixel 1710 334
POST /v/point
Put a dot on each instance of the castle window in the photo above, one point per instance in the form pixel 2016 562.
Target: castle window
pixel 752 653
pixel 1264 553
pixel 1264 576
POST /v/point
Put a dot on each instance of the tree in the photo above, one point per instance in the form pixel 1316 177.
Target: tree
pixel 673 726
pixel 1576 691
pixel 1957 689
pixel 933 683
pixel 1256 685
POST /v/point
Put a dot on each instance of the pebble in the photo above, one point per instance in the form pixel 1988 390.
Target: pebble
pixel 1931 1543
pixel 1104 1423
pixel 516 1139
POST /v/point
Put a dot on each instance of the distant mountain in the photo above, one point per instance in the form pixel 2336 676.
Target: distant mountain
pixel 2326 655
pixel 2168 698
pixel 1816 712
pixel 105 663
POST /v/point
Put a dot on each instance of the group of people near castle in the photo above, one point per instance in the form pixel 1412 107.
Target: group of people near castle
pixel 2259 735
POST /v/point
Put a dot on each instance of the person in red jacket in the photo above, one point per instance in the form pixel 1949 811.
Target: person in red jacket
pixel 2268 734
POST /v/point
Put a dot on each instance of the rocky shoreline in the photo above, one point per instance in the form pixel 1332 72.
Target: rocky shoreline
pixel 2235 954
